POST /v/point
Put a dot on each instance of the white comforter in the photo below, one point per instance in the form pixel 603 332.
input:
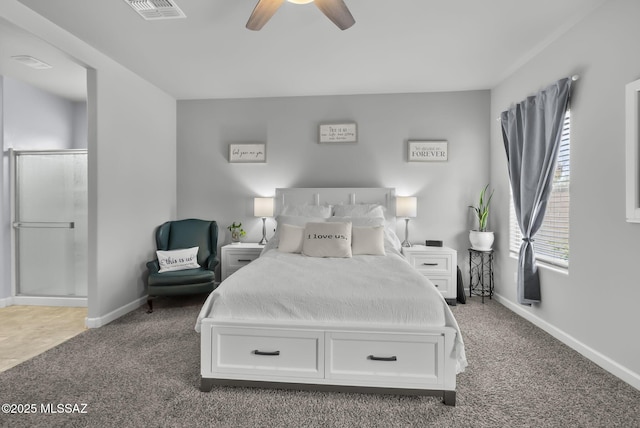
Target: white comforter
pixel 364 290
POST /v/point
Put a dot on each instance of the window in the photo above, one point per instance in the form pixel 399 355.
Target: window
pixel 551 243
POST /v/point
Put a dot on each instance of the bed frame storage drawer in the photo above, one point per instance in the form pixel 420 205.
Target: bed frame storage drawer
pixel 400 358
pixel 294 353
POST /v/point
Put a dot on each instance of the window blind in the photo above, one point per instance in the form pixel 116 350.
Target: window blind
pixel 551 243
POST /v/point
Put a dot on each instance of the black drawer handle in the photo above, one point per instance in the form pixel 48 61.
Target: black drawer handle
pixel 267 353
pixel 430 264
pixel 374 358
pixel 245 260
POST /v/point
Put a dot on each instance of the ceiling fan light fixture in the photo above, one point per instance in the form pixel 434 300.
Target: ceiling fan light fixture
pixel 336 10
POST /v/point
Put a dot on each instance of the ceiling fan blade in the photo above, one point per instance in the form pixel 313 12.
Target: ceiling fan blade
pixel 263 11
pixel 337 12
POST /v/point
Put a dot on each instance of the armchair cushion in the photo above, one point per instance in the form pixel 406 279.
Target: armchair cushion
pixel 181 277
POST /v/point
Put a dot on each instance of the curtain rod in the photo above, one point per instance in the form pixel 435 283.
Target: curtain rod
pixel 573 78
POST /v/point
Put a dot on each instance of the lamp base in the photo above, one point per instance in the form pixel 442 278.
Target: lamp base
pixel 264 240
pixel 406 242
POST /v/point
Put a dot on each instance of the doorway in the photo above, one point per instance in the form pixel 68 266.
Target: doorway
pixel 49 227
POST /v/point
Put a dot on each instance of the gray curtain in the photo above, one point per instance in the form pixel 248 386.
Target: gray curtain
pixel 531 131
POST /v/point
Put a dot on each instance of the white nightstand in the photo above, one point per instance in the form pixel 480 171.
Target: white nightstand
pixel 439 264
pixel 235 256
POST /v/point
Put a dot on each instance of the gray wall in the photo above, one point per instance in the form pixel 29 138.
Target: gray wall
pixel 594 306
pixel 211 187
pixel 132 185
pixel 132 168
pixel 36 119
pixel 32 119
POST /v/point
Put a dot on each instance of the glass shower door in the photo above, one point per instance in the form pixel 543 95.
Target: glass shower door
pixel 50 223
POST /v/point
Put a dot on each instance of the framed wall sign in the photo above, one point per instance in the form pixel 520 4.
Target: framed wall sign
pixel 337 133
pixel 247 153
pixel 427 151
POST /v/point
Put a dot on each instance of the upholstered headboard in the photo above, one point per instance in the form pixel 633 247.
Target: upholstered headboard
pixel 336 195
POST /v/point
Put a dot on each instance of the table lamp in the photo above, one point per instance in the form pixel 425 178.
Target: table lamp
pixel 406 206
pixel 263 207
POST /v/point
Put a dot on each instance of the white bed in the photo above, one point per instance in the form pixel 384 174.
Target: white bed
pixel 368 322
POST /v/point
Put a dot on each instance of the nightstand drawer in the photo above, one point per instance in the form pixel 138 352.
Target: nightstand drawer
pixel 436 263
pixel 432 263
pixel 235 256
pixel 238 258
pixel 442 283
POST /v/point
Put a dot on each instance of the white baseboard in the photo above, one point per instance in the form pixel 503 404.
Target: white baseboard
pixel 603 361
pixel 6 301
pixel 123 310
pixel 75 302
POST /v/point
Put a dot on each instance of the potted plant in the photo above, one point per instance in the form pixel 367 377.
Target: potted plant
pixel 482 239
pixel 237 232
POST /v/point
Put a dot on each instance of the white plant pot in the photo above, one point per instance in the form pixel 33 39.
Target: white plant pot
pixel 481 241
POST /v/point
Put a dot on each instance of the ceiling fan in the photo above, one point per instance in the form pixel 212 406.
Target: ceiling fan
pixel 335 10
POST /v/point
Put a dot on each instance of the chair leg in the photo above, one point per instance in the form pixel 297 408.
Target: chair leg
pixel 150 304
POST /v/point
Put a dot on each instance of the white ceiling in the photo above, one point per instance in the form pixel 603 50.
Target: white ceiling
pixel 394 47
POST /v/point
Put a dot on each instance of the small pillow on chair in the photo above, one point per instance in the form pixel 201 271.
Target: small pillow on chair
pixel 178 259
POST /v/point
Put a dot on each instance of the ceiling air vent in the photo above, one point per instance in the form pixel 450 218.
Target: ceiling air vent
pixel 156 9
pixel 31 62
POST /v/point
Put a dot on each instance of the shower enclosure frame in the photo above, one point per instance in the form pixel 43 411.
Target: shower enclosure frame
pixel 15 224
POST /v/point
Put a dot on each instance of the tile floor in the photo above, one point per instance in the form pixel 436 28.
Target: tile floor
pixel 26 331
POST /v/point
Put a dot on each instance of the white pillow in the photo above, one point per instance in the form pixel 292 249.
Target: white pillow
pixel 359 221
pixel 367 240
pixel 297 220
pixel 322 211
pixel 359 210
pixel 281 220
pixel 327 240
pixel 291 238
pixel 178 259
pixel 391 240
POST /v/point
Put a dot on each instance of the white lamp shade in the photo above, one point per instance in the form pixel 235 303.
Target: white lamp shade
pixel 406 206
pixel 263 207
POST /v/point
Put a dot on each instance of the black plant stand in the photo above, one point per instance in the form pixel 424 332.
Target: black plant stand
pixel 481 273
